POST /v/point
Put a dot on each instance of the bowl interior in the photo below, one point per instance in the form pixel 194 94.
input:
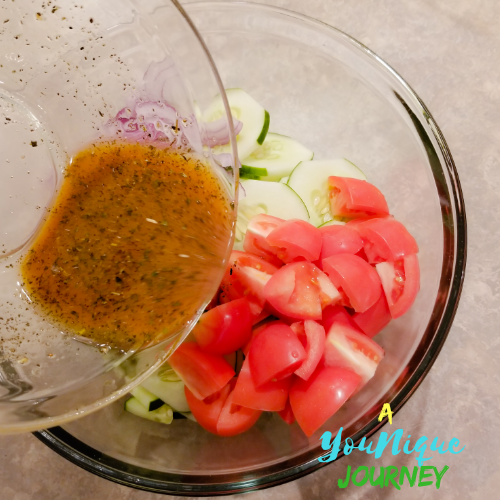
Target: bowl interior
pixel 340 100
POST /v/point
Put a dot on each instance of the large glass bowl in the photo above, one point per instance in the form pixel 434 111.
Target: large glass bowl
pixel 341 100
pixel 71 77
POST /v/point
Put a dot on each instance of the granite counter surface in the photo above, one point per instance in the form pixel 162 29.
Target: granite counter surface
pixel 449 52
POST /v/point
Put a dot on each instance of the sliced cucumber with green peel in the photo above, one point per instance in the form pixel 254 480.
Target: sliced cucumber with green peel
pixel 247 110
pixel 146 398
pixel 166 385
pixel 277 157
pixel 310 180
pixel 271 198
pixel 164 414
pixel 252 172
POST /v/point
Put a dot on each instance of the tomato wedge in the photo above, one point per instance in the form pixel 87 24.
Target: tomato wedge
pixel 373 320
pixel 244 259
pixel 261 317
pixel 315 347
pixel 287 413
pixel 245 277
pixel 357 279
pixel 401 283
pixel 295 239
pixel 339 239
pixel 337 314
pixel 315 400
pixel 386 240
pixel 225 328
pixel 353 198
pixel 207 411
pixel 202 372
pixel 351 349
pixel 282 317
pixel 235 419
pixel 298 328
pixel 255 238
pixel 271 396
pixel 257 331
pixel 254 282
pixel 300 290
pixel 275 353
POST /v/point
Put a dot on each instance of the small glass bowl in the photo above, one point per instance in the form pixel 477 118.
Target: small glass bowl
pixel 341 100
pixel 68 74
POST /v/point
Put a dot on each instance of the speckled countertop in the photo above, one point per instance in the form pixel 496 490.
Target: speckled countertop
pixel 449 52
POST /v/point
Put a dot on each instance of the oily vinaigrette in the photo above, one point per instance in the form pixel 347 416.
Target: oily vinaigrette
pixel 133 245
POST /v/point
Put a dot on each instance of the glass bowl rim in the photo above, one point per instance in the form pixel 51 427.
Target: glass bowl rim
pixel 453 271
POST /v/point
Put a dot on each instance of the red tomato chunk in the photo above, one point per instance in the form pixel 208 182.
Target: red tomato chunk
pixel 339 239
pixel 225 328
pixel 349 348
pixel 207 411
pixel 337 314
pixel 353 198
pixel 287 413
pixel 255 238
pixel 245 277
pixel 271 396
pixel 300 290
pixel 385 240
pixel 358 280
pixel 315 400
pixel 401 283
pixel 373 320
pixel 203 373
pixel 275 354
pixel 314 346
pixel 257 331
pixel 295 240
pixel 235 419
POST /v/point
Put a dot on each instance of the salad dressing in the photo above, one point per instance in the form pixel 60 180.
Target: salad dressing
pixel 133 245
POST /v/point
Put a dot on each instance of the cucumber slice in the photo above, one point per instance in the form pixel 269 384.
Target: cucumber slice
pixel 270 198
pixel 333 223
pixel 189 416
pixel 277 157
pixel 244 108
pixel 146 398
pixel 252 172
pixel 184 415
pixel 165 385
pixel 310 180
pixel 164 414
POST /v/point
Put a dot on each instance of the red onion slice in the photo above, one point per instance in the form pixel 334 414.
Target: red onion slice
pixel 125 114
pixel 150 111
pixel 216 133
pixel 156 117
pixel 225 160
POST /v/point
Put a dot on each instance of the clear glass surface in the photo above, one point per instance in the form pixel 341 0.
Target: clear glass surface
pixel 66 72
pixel 339 99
